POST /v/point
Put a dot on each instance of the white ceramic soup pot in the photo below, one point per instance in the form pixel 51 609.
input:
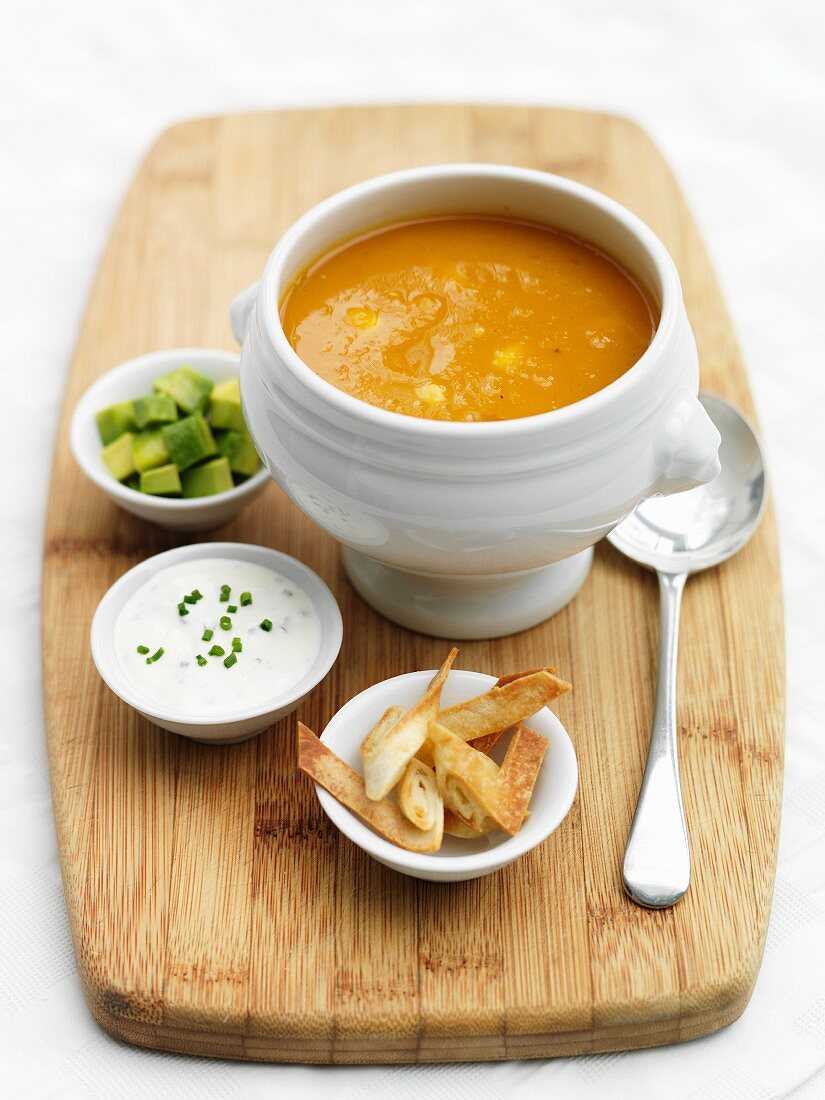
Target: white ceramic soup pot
pixel 472 530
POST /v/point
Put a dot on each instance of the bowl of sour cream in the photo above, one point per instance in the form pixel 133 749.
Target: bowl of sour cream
pixel 216 641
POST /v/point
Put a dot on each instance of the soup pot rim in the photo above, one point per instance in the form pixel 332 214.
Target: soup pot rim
pixel 274 279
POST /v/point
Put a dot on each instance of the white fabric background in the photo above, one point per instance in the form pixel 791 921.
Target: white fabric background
pixel 734 93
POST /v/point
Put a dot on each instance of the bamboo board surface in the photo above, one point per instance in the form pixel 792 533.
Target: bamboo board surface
pixel 214 908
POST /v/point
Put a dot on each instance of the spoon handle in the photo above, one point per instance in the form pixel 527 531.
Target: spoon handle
pixel 656 868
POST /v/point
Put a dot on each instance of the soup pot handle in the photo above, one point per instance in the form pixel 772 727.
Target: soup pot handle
pixel 240 312
pixel 687 448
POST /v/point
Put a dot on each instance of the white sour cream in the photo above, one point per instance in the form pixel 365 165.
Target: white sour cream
pixel 269 664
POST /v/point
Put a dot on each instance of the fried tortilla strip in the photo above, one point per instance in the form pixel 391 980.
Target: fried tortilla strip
pixel 417 795
pixel 520 769
pixel 386 752
pixel 488 741
pixel 467 779
pixel 475 789
pixel 456 827
pixel 460 717
pixel 387 719
pixel 337 777
pixel 504 706
pixel 511 677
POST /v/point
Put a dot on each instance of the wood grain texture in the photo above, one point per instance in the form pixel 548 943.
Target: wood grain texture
pixel 214 908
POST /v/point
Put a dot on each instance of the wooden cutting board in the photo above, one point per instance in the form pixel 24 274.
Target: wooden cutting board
pixel 214 908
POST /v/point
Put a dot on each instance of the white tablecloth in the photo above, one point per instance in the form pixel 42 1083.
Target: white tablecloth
pixel 734 93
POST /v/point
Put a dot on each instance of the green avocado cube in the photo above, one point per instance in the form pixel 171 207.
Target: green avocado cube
pixel 149 449
pixel 115 420
pixel 119 458
pixel 189 440
pixel 225 406
pixel 240 450
pixel 161 481
pixel 206 480
pixel 187 387
pixel 155 408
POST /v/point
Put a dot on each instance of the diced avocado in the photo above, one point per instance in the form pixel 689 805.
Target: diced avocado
pixel 155 408
pixel 115 420
pixel 225 406
pixel 240 450
pixel 162 481
pixel 189 440
pixel 212 477
pixel 150 450
pixel 118 456
pixel 187 387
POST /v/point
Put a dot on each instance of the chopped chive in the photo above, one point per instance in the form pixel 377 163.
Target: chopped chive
pixel 226 622
pixel 229 661
pixel 207 635
pixel 246 599
pixel 217 651
pixel 232 608
pixel 156 656
pixel 266 625
pixel 198 595
pixel 190 599
pixel 237 645
pixel 183 609
pixel 225 590
pixel 143 649
pixel 201 660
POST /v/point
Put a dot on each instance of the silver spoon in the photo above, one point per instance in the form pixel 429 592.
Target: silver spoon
pixel 677 536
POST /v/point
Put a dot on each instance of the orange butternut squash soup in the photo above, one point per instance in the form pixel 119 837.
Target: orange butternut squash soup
pixel 467 318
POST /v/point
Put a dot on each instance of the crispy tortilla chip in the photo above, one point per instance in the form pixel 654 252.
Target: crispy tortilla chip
pixel 387 719
pixel 504 706
pixel 466 778
pixel 337 777
pixel 417 795
pixel 475 789
pixel 386 752
pixel 456 827
pixel 486 741
pixel 511 677
pixel 520 769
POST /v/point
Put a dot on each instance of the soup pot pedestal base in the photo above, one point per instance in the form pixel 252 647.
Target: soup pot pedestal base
pixel 467 607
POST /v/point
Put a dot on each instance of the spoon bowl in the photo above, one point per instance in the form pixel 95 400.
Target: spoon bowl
pixel 702 527
pixel 678 536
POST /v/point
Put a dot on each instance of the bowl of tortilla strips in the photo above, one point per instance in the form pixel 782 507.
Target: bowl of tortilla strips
pixel 446 775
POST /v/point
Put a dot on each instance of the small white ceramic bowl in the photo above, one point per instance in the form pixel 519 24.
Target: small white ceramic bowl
pixel 458 859
pixel 244 722
pixel 133 379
